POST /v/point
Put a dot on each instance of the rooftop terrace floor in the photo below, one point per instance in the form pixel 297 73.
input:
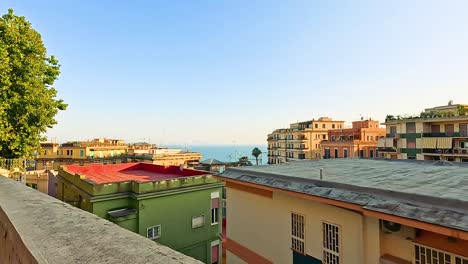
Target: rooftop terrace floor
pixel 409 189
pixel 422 178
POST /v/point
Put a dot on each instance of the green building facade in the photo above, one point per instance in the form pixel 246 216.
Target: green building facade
pixel 181 213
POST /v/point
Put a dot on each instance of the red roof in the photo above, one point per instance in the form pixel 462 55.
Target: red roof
pixel 142 172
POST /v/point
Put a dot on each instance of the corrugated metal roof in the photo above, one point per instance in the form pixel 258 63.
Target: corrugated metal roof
pixel 416 190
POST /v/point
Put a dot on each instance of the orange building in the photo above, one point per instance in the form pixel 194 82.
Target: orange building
pixel 300 141
pixel 358 141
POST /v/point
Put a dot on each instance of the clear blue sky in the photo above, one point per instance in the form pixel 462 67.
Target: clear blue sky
pixel 224 72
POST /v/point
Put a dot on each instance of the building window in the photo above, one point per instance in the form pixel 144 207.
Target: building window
pixel 411 127
pixel 316 125
pixel 215 252
pixel 345 153
pixel 427 255
pixel 332 138
pixel 214 208
pixel 430 256
pixel 333 125
pixel 331 243
pixel 323 125
pixel 198 221
pixel 153 232
pixel 297 233
pixel 461 260
pixel 81 153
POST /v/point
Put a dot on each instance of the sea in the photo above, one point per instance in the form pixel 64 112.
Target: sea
pixel 227 153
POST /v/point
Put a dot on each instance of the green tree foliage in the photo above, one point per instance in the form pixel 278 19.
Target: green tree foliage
pixel 244 161
pixel 256 152
pixel 28 101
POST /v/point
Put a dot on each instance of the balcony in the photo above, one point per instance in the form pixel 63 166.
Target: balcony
pixel 299 149
pixel 409 135
pixel 410 152
pixel 442 134
pixel 385 149
pixel 36 228
pixel 392 135
pixel 450 152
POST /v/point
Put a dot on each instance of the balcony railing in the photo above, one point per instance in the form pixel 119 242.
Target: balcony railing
pixel 438 151
pixel 441 134
pixel 410 152
pixel 455 152
pixel 386 149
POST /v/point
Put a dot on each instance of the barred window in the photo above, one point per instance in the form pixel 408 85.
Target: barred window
pixel 460 260
pixel 427 255
pixel 153 232
pixel 297 233
pixel 331 243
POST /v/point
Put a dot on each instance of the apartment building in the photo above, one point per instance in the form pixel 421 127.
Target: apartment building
pixel 150 153
pixel 358 141
pixel 439 133
pixel 101 150
pixel 353 211
pixel 300 141
pixel 175 207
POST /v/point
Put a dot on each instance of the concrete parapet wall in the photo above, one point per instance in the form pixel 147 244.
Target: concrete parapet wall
pixel 36 228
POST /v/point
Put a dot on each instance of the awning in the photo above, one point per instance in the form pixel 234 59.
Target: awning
pixel 429 143
pixel 389 143
pixel 381 143
pixel 444 143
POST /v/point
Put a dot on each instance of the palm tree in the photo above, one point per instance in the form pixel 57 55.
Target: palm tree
pixel 256 152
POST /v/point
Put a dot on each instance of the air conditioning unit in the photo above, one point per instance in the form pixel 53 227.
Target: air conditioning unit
pixel 390 227
pixel 455 151
pixel 464 151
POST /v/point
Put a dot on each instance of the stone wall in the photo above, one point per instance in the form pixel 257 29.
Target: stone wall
pixel 36 228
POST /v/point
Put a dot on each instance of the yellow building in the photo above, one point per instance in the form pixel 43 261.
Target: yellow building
pixel 439 133
pixel 300 141
pixel 349 211
pixel 53 155
pixel 150 153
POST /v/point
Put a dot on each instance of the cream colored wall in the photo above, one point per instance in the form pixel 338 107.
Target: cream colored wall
pixel 371 240
pixel 264 226
pixel 233 259
pixel 402 156
pixel 401 129
pixel 419 127
pixel 419 143
pixel 397 244
pixel 420 156
pixel 401 143
pixel 255 223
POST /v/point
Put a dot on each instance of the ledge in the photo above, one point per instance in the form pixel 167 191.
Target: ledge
pixel 36 228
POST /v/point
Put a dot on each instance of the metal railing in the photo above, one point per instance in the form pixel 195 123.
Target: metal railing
pixel 16 168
